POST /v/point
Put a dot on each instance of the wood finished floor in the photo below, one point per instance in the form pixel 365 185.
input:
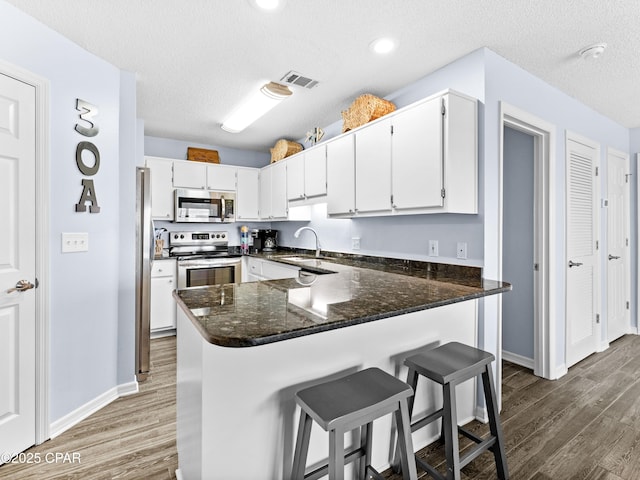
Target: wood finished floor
pixel 133 437
pixel 584 426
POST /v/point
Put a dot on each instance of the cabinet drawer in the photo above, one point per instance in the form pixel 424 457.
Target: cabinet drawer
pixel 163 268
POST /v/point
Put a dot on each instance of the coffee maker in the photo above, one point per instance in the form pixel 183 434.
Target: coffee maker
pixel 264 240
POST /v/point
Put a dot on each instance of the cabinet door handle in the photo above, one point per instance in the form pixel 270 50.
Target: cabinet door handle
pixel 613 257
pixel 574 264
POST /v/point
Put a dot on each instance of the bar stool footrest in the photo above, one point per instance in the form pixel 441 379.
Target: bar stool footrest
pixel 427 420
pixel 429 469
pixel 374 473
pixel 469 435
pixel 323 470
pixel 477 451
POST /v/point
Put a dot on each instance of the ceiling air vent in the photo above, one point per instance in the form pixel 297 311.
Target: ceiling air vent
pixel 295 78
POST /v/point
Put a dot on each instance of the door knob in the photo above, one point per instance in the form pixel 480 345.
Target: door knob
pixel 21 286
pixel 613 257
pixel 574 264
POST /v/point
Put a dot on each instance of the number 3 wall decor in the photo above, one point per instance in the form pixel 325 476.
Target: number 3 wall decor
pixel 88 111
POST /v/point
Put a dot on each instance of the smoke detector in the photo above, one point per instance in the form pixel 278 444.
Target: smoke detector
pixel 593 51
pixel 295 78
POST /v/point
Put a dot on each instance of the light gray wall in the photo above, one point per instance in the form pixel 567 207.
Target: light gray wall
pixel 127 255
pixel 85 287
pixel 177 149
pixel 518 259
pixel 507 82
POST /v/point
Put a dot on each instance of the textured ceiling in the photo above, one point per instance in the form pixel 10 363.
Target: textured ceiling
pixel 196 59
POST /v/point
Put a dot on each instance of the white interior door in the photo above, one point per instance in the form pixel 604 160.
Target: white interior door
pixel 582 271
pixel 17 263
pixel 618 261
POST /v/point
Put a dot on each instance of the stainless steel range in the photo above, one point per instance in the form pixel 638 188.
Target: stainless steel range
pixel 203 258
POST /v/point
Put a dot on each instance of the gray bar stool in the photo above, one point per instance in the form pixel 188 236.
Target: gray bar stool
pixel 449 365
pixel 345 404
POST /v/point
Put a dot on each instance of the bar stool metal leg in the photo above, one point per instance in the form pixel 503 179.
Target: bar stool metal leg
pixel 451 447
pixel 302 446
pixel 494 423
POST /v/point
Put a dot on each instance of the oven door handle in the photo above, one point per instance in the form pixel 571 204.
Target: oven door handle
pixel 223 208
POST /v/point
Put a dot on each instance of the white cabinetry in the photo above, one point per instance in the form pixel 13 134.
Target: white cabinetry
pixel 307 174
pixel 373 168
pixel 247 199
pixel 420 159
pixel 161 187
pixel 163 306
pixel 258 270
pixel 417 176
pixel 189 174
pixel 273 192
pixel 221 177
pixel 341 176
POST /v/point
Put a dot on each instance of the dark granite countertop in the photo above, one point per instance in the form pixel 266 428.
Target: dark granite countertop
pixel 360 289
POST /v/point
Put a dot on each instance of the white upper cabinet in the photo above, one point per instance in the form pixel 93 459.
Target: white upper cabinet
pixel 373 168
pixel 341 176
pixel 421 159
pixel 221 177
pixel 161 187
pixel 200 175
pixel 417 170
pixel 307 174
pixel 315 171
pixel 247 199
pixel 189 174
pixel 273 192
pixel 295 177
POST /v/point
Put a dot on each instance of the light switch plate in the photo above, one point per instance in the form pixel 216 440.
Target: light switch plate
pixel 75 242
pixel 355 243
pixel 433 248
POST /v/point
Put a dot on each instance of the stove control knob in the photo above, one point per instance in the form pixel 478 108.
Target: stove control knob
pixel 175 236
pixel 181 236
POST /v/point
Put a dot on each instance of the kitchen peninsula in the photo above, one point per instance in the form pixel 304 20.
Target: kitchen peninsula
pixel 245 349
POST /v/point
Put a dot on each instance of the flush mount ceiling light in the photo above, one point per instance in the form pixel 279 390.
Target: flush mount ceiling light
pixel 268 5
pixel 592 51
pixel 383 45
pixel 255 106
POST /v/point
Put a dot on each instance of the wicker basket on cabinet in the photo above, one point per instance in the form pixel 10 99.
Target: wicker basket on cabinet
pixel 283 149
pixel 364 109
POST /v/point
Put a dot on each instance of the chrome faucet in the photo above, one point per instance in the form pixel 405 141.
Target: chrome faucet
pixel 297 234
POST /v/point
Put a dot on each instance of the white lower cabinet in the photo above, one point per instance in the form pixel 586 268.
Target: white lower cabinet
pixel 163 306
pixel 258 270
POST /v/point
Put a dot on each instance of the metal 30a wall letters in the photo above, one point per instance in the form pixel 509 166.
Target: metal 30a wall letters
pixel 88 111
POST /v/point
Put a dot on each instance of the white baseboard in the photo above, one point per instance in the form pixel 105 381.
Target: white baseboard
pixel 560 371
pixel 518 359
pixel 178 474
pixel 73 418
pixel 481 414
pixel 603 346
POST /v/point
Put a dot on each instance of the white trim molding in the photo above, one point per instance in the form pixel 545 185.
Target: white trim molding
pixel 41 86
pixel 518 359
pixel 73 418
pixel 546 246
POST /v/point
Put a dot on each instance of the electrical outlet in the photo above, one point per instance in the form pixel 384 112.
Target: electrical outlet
pixel 75 242
pixel 433 248
pixel 461 250
pixel 355 243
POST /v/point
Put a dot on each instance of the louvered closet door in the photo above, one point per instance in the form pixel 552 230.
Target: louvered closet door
pixel 582 265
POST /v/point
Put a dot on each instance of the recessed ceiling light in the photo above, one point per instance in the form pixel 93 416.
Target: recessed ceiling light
pixel 383 45
pixel 269 5
pixel 592 51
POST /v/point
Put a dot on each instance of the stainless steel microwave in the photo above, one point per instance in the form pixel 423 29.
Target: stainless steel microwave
pixel 204 206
